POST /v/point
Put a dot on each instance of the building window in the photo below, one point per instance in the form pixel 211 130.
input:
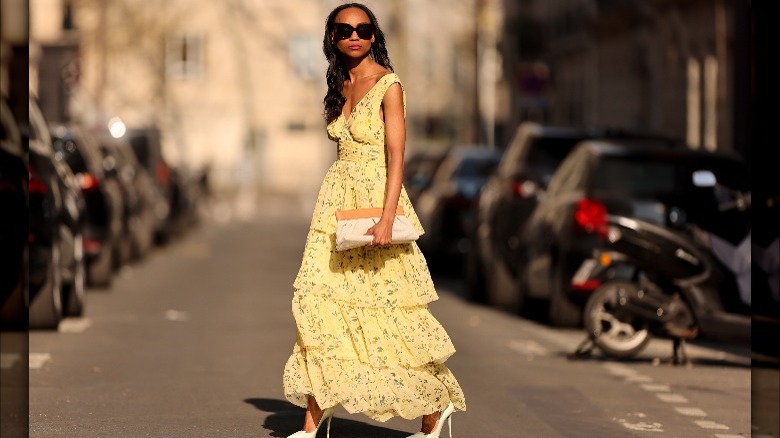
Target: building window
pixel 184 57
pixel 693 135
pixel 304 55
pixel 710 126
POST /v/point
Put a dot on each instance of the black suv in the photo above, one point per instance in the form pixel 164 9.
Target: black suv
pixel 147 146
pixel 56 262
pixel 79 149
pixel 507 200
pixel 13 222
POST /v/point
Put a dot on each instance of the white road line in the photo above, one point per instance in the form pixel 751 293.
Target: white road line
pixel 631 375
pixel 8 360
pixel 690 412
pixel 619 370
pixel 177 315
pixel 638 379
pixel 707 424
pixel 74 325
pixel 641 426
pixel 720 435
pixel 662 391
pixel 528 347
pixel 38 359
pixel 656 387
pixel 672 398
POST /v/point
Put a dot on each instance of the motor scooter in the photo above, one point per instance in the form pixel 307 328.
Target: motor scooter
pixel 681 282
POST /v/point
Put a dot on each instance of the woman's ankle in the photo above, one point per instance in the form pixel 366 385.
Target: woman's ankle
pixel 313 415
pixel 429 422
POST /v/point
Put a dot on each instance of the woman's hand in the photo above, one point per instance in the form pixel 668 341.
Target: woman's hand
pixel 382 232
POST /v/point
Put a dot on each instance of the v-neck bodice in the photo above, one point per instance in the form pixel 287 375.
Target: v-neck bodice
pixel 358 178
pixel 347 118
pixel 361 136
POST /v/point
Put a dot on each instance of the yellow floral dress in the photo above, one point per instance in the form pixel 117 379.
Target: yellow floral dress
pixel 366 338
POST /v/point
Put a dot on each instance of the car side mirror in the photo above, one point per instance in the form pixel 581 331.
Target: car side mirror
pixel 526 185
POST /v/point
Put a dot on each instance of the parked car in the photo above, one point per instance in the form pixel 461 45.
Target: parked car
pixel 446 208
pixel 13 223
pixel 57 268
pixel 418 171
pixel 506 202
pixel 139 193
pixel 598 178
pixel 185 194
pixel 147 146
pixel 102 194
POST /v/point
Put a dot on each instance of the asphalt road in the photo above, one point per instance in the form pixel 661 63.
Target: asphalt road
pixel 192 343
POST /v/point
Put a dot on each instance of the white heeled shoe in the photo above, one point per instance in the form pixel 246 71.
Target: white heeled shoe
pixel 446 415
pixel 327 414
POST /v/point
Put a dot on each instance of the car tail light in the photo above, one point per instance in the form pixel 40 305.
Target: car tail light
pixel 37 186
pixel 162 174
pixel 31 238
pixel 523 189
pixel 587 285
pixel 591 217
pixel 88 182
pixel 92 245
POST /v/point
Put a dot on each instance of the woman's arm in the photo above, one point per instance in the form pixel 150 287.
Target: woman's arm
pixel 395 139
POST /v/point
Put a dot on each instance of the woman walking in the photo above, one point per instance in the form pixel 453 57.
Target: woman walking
pixel 366 338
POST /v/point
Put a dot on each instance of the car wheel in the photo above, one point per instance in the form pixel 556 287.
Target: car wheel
pixel 74 293
pixel 475 276
pixel 46 307
pixel 532 308
pixel 501 288
pixel 562 312
pixel 14 310
pixel 100 269
pixel 616 337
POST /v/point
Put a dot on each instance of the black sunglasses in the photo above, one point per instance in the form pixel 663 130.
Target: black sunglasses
pixel 343 31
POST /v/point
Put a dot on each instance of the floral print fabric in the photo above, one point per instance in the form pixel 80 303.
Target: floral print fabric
pixel 366 338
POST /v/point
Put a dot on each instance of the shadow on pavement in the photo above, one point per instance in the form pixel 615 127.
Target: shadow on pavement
pixel 286 418
pixel 593 354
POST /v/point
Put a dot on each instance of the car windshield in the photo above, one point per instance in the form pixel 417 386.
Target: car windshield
pixel 477 167
pixel 545 154
pixel 645 176
pixel 71 153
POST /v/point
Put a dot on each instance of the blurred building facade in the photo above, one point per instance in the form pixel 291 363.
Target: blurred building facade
pixel 679 67
pixel 237 85
pixel 14 56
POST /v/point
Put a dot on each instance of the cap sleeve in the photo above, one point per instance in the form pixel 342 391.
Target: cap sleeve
pixel 388 80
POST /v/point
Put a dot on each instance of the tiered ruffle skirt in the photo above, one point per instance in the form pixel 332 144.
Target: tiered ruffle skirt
pixel 366 338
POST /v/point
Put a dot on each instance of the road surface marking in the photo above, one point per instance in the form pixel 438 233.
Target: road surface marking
pixel 619 370
pixel 8 360
pixel 38 359
pixel 638 379
pixel 662 391
pixel 720 435
pixel 527 347
pixel 691 412
pixel 655 387
pixel 707 424
pixel 74 325
pixel 642 426
pixel 672 398
pixel 177 315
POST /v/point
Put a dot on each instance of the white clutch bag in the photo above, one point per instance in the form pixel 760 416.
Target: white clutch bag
pixel 351 227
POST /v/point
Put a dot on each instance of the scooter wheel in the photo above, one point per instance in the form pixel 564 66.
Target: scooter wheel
pixel 613 332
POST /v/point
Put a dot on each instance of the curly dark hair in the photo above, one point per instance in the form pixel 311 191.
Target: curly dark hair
pixel 337 69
